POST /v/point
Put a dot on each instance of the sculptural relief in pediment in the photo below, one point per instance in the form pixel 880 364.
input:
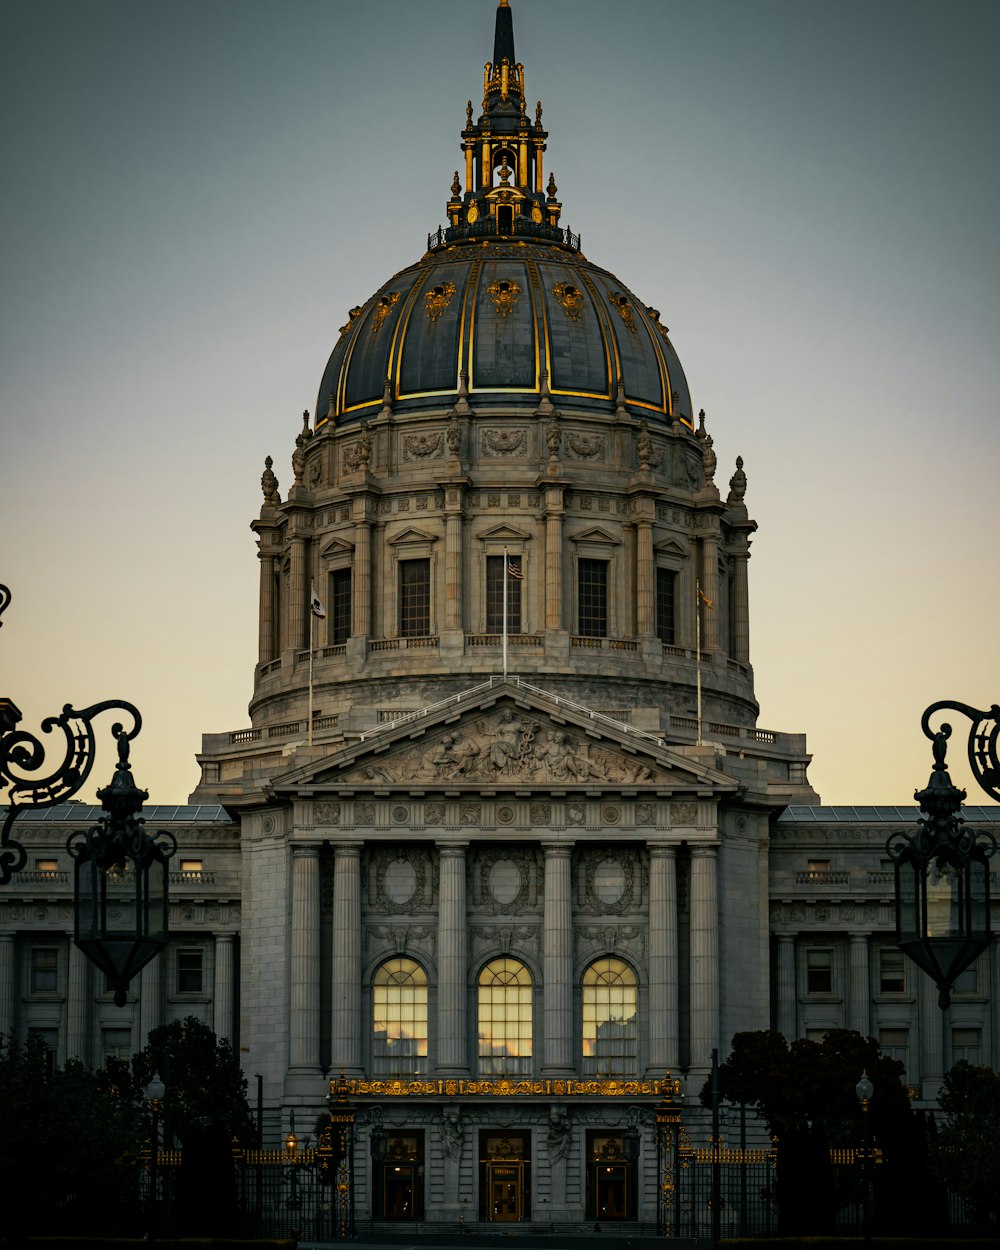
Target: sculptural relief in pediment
pixel 506 745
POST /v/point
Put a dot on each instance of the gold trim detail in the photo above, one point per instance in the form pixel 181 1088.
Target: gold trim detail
pixel 537 216
pixel 382 309
pixel 472 216
pixel 504 293
pixel 437 300
pixel 504 1087
pixel 570 297
pixel 624 308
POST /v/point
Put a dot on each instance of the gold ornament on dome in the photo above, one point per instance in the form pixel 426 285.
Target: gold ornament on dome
pixel 472 216
pixel 504 292
pixel 352 316
pixel 571 298
pixel 621 302
pixel 383 308
pixel 437 300
pixel 537 216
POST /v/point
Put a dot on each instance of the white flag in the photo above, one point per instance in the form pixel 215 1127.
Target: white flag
pixel 316 604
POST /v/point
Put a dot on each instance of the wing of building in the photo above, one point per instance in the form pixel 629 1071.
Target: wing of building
pixel 503 843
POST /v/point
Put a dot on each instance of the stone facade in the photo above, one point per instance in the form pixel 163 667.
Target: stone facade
pixel 503 843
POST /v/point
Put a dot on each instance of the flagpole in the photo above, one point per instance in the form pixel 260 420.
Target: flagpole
pixel 505 613
pixel 697 637
pixel 312 644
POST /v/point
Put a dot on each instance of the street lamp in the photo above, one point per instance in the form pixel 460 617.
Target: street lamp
pixel 121 882
pixel 864 1090
pixel 155 1091
pixel 942 884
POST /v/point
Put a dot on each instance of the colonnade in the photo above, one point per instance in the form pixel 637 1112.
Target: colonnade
pixel 556 1054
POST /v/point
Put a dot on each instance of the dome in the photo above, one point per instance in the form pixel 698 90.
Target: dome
pixel 505 311
pixel 503 303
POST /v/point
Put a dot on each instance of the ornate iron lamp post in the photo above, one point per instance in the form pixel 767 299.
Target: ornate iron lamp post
pixel 864 1090
pixel 121 882
pixel 155 1091
pixel 22 753
pixel 942 871
pixel 668 1128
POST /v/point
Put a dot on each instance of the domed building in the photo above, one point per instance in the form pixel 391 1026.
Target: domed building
pixel 503 853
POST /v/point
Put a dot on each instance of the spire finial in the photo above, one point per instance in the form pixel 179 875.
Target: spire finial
pixel 503 39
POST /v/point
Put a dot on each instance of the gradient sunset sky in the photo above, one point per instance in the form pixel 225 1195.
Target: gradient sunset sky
pixel 196 192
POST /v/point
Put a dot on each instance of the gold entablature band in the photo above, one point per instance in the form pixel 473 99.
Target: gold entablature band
pixel 453 1087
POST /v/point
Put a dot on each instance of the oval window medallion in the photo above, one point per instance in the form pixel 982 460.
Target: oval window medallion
pixel 504 881
pixel 609 881
pixel 400 881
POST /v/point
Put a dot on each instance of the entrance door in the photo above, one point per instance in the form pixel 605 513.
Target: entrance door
pixel 612 1191
pixel 505 1191
pixel 504 1176
pixel 397 1192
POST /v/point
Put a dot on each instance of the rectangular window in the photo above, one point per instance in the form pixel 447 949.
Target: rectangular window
pixel 414 598
pixel 592 596
pixel 891 972
pixel 494 595
pixel 819 972
pixel 191 865
pixel 47 867
pixel 666 583
pixel 893 1044
pixel 116 1043
pixel 44 969
pixel 967 1044
pixel 967 982
pixel 50 1040
pixel 340 606
pixel 190 960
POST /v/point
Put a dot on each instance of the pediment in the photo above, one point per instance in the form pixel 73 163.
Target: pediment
pixel 670 548
pixel 497 741
pixel 336 547
pixel 412 535
pixel 504 533
pixel 595 535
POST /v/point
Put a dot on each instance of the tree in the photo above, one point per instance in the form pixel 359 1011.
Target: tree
pixel 805 1094
pixel 968 1146
pixel 69 1139
pixel 205 1108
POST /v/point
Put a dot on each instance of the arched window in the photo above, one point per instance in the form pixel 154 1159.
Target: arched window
pixel 504 1018
pixel 610 1037
pixel 399 1019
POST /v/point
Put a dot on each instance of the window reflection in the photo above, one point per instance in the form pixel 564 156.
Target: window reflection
pixel 610 1040
pixel 399 1019
pixel 504 1018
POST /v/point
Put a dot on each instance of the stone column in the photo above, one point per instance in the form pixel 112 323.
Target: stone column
pixel 557 962
pixel 645 593
pixel 930 1050
pixel 859 1000
pixel 79 996
pixel 710 588
pixel 8 982
pixel 265 624
pixel 303 1030
pixel 150 989
pixel 453 1039
pixel 664 1029
pixel 787 994
pixel 704 957
pixel 347 1024
pixel 361 602
pixel 222 998
pixel 296 625
pixel 741 608
pixel 453 559
pixel 553 558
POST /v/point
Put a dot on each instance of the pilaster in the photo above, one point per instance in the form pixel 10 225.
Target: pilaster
pixel 452 1013
pixel 664 1029
pixel 345 1041
pixel 557 962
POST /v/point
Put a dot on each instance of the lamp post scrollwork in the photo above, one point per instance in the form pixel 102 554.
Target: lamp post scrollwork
pixel 942 873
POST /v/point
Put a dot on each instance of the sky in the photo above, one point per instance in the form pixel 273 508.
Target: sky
pixel 196 192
